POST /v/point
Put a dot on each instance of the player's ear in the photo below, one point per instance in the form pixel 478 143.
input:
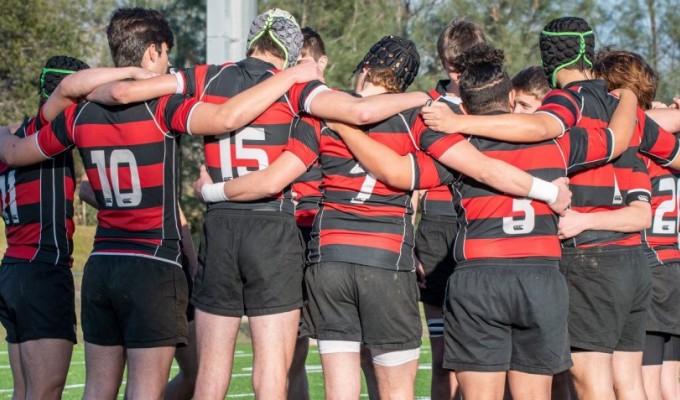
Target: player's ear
pixel 323 62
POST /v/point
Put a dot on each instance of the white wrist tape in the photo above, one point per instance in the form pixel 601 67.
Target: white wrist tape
pixel 213 193
pixel 543 190
pixel 180 83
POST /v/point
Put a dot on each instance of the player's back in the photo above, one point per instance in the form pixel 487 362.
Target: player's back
pixel 37 206
pixel 496 225
pixel 131 160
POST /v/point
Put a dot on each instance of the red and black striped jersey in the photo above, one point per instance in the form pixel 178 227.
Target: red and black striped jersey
pixel 361 220
pixel 609 187
pixel 257 145
pixel 131 155
pixel 497 225
pixel 307 195
pixel 438 202
pixel 662 237
pixel 37 206
pixel 588 104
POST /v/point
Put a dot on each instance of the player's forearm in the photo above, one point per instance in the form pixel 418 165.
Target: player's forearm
pixel 623 122
pixel 343 107
pixel 633 218
pixel 242 109
pixel 504 177
pixel 377 159
pixel 86 193
pixel 126 92
pixel 516 128
pixel 667 118
pixel 18 152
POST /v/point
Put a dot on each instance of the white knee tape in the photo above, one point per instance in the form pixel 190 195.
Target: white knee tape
pixel 386 358
pixel 338 346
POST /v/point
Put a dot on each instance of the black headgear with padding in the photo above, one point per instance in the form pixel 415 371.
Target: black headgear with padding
pixel 396 53
pixel 565 42
pixel 56 68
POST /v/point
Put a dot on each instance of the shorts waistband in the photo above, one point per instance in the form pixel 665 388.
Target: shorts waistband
pixel 250 213
pixel 614 249
pixel 509 262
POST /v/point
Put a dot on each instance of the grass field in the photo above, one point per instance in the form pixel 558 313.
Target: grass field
pixel 240 387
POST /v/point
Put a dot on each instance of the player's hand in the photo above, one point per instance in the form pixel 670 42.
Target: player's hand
pixel 420 273
pixel 620 92
pixel 676 103
pixel 341 128
pixel 571 224
pixel 305 71
pixel 203 179
pixel 439 117
pixel 563 196
pixel 139 74
pixel 659 104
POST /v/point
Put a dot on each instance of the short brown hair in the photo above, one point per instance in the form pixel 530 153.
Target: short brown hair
pixel 312 44
pixel 384 77
pixel 458 36
pixel 265 44
pixel 531 80
pixel 625 69
pixel 132 30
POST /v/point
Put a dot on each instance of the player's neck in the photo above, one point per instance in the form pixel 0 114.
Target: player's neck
pixel 370 89
pixel 452 88
pixel 268 57
pixel 566 76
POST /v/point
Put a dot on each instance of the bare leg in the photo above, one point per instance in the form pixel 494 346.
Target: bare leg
pixel 443 385
pixel 369 374
pixel 397 382
pixel 45 364
pixel 593 375
pixel 481 385
pixel 148 371
pixel 529 386
pixel 627 367
pixel 104 367
pixel 273 346
pixel 182 386
pixel 341 375
pixel 215 340
pixel 651 377
pixel 17 371
pixel 670 387
pixel 298 388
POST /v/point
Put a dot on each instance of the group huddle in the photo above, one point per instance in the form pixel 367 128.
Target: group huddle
pixel 538 227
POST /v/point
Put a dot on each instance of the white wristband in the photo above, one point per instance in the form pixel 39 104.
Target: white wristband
pixel 213 193
pixel 543 190
pixel 179 89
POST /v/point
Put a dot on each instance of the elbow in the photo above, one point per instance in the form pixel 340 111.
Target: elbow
pixel 646 221
pixel 120 94
pixel 231 122
pixel 273 188
pixel 361 115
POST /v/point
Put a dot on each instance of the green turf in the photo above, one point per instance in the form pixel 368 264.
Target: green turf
pixel 240 384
